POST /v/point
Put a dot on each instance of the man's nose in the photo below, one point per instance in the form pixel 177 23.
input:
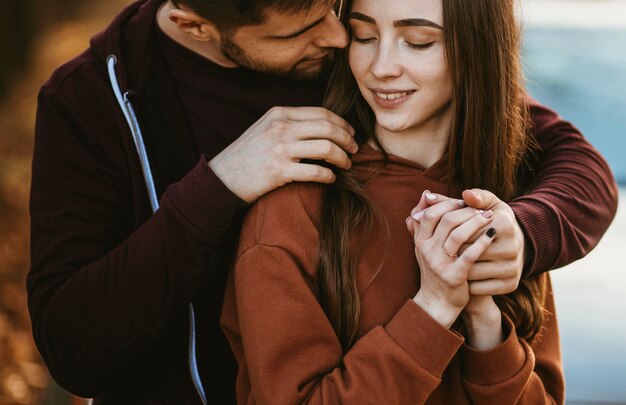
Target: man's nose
pixel 332 34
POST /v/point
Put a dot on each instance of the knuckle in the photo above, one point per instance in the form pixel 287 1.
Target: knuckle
pixel 278 127
pixel 447 220
pixel 280 149
pixel 468 258
pixel 510 273
pixel 317 172
pixel 456 238
pixel 509 254
pixel 430 215
pixel 507 231
pixel 326 148
pixel 278 111
pixel 327 128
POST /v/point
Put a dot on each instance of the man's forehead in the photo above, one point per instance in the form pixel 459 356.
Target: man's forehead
pixel 281 24
pixel 300 15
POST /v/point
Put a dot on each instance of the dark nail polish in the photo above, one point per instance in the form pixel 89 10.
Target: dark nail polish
pixel 491 232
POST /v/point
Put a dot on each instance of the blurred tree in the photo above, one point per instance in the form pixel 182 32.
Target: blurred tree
pixel 20 22
pixel 16 34
pixel 36 36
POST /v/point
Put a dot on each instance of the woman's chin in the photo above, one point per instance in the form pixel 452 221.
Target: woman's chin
pixel 393 126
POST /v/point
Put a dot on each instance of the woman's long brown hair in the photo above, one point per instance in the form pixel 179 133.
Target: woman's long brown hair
pixel 489 140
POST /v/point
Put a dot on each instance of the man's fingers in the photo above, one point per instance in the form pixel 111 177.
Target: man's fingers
pixel 308 172
pixel 480 199
pixel 320 150
pixel 307 114
pixel 492 270
pixel 322 129
pixel 312 114
pixel 491 287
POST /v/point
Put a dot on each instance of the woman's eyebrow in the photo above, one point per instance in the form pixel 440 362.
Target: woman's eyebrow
pixel 417 22
pixel 410 22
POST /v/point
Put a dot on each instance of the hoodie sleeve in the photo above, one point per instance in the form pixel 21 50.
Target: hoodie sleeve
pixel 574 198
pixel 288 351
pixel 106 293
pixel 516 372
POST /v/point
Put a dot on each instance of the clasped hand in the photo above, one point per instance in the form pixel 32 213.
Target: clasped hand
pixel 468 250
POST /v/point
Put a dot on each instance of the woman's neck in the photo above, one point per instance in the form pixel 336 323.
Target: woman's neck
pixel 423 145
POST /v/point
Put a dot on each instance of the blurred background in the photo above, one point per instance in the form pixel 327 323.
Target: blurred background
pixel 575 61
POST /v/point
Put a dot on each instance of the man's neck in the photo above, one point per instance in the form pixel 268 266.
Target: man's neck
pixel 209 49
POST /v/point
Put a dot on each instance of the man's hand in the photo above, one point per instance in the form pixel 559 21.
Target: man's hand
pixel 499 269
pixel 268 154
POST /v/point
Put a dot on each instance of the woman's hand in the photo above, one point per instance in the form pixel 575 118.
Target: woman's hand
pixel 439 233
pixel 499 269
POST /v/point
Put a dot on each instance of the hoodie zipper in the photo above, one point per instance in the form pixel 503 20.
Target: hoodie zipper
pixel 131 118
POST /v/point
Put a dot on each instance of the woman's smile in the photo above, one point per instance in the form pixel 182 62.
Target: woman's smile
pixel 391 98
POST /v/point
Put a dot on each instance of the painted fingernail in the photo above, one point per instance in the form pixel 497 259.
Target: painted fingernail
pixel 418 215
pixel 431 197
pixel 461 203
pixel 426 192
pixel 487 214
pixel 491 232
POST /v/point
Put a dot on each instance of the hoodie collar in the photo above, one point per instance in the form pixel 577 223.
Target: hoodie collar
pixel 128 37
pixel 368 159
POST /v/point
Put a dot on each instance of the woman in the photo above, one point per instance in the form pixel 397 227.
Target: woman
pixel 331 300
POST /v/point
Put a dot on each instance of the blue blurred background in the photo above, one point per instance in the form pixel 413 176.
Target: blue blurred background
pixel 575 62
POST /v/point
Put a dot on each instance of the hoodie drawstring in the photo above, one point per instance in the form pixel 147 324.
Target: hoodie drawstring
pixel 131 119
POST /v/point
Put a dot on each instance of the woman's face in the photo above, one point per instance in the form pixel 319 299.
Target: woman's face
pixel 398 58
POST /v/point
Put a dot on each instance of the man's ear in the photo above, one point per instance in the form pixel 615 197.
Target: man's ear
pixel 193 25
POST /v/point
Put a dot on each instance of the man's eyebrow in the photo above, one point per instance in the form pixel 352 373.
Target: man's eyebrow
pixel 299 32
pixel 411 22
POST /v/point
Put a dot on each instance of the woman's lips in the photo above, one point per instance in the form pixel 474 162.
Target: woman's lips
pixel 391 98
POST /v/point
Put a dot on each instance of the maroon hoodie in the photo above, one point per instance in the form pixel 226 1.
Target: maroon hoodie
pixel 110 283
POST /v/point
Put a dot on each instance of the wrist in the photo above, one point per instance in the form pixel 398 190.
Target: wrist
pixel 484 329
pixel 445 314
pixel 223 173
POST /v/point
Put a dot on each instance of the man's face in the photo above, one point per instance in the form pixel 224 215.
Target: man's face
pixel 296 45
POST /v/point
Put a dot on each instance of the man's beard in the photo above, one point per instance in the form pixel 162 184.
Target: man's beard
pixel 236 54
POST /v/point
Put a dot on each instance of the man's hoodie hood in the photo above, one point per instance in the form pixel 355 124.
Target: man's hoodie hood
pixel 128 39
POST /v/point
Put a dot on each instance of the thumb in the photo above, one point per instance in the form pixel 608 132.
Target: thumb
pixel 480 199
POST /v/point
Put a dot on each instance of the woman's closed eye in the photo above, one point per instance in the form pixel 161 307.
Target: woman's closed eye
pixel 421 46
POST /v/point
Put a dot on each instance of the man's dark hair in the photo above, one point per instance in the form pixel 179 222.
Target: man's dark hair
pixel 228 15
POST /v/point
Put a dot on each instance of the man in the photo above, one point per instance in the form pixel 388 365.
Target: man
pixel 110 283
